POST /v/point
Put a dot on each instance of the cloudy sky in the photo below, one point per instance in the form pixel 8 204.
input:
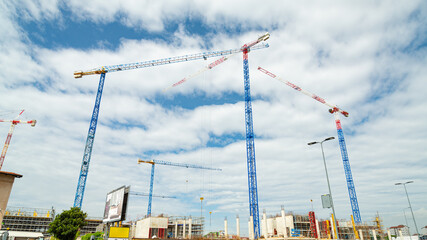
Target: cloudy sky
pixel 368 57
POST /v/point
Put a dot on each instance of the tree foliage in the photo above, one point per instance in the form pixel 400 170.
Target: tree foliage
pixel 97 235
pixel 67 224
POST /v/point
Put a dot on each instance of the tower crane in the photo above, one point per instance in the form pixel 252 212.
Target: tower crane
pixel 161 162
pixel 84 170
pixel 250 145
pixel 147 195
pixel 9 135
pixel 333 110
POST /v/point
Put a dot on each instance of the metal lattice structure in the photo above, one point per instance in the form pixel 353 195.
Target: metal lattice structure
pixel 88 147
pixel 161 162
pixel 347 169
pixel 335 110
pixel 250 150
pixel 121 67
pixel 9 134
pixel 250 146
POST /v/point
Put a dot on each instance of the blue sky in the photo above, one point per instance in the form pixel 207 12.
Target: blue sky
pixel 368 58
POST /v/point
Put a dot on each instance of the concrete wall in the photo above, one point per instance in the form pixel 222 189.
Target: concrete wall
pixel 280 224
pixel 6 183
pixel 159 222
pixel 143 226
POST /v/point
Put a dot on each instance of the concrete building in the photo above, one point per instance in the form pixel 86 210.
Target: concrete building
pixel 91 226
pixel 296 225
pixel 28 219
pixel 395 230
pixel 151 227
pixel 6 182
pixel 167 227
pixel 38 220
pixel 185 227
pixel 275 225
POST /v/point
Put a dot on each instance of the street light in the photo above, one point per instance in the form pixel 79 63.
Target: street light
pixel 409 232
pixel 413 217
pixel 327 178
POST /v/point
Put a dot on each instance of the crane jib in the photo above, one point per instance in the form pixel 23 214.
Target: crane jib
pixel 158 62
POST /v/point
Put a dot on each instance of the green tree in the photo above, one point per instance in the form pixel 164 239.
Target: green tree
pixel 67 224
pixel 97 235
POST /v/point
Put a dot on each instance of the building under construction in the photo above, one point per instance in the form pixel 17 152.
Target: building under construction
pixel 28 219
pixel 307 226
pixel 38 220
pixel 181 227
pixel 167 227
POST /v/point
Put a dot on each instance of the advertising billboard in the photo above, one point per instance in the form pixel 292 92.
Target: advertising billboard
pixel 115 205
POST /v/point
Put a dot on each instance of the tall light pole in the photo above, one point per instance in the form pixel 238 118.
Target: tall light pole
pixel 327 178
pixel 413 217
pixel 409 232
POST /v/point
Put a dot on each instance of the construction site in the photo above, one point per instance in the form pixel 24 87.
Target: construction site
pixel 281 225
pixel 289 226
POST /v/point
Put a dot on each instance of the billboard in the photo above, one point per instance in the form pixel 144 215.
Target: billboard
pixel 115 205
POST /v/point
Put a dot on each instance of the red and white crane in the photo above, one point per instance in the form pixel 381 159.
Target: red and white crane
pixel 9 135
pixel 344 155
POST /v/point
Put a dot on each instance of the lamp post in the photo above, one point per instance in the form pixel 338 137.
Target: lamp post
pixel 409 232
pixel 327 178
pixel 413 217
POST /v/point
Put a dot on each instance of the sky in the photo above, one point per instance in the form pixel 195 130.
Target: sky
pixel 367 57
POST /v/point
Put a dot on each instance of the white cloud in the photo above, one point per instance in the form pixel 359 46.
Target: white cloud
pixel 352 54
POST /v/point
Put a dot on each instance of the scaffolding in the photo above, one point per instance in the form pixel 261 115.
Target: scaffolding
pixel 178 226
pixel 302 225
pixel 38 220
pixel 91 226
pixel 28 219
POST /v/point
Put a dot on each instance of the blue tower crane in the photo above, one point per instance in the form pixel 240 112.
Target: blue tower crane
pixel 84 170
pixel 161 162
pixel 250 145
pixel 344 155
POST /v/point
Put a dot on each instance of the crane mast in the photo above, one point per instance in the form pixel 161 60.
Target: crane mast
pixel 347 169
pixel 161 162
pixel 250 145
pixel 344 155
pixel 250 150
pixel 121 67
pixel 89 145
pixel 9 134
